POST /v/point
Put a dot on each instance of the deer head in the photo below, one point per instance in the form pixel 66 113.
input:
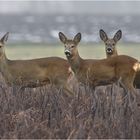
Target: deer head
pixel 110 43
pixel 70 45
pixel 3 40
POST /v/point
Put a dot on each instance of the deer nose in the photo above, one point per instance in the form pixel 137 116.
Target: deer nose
pixel 67 53
pixel 109 50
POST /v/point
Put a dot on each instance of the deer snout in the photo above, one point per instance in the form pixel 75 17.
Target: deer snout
pixel 67 53
pixel 109 50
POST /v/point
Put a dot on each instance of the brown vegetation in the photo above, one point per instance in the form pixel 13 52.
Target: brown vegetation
pixel 47 112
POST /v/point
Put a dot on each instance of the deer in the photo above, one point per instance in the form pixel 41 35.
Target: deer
pixel 111 50
pixel 99 72
pixel 34 72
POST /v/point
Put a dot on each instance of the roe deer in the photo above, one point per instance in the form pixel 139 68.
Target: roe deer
pixel 111 50
pixel 100 72
pixel 110 43
pixel 35 72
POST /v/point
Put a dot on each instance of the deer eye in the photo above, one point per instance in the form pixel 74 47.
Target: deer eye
pixel 72 46
pixel 113 44
pixel 106 44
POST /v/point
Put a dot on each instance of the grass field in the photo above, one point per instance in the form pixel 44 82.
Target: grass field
pixel 48 113
pixel 95 51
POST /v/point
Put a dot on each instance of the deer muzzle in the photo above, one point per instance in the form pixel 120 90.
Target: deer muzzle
pixel 67 53
pixel 109 50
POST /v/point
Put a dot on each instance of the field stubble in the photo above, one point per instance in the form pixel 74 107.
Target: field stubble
pixel 48 112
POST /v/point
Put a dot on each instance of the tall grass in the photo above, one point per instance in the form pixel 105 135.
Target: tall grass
pixel 48 112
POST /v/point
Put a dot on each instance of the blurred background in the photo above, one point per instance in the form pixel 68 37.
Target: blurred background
pixel 34 26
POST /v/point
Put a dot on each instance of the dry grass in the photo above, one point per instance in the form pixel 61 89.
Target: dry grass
pixel 48 113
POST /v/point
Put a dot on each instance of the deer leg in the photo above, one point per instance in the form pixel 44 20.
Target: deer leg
pixel 128 84
pixel 72 86
pixel 124 88
pixel 120 83
pixel 68 91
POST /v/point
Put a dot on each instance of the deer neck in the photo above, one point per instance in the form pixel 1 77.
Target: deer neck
pixel 75 62
pixel 3 63
pixel 4 69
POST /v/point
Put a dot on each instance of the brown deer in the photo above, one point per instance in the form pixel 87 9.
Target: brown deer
pixel 100 72
pixel 111 50
pixel 110 43
pixel 35 72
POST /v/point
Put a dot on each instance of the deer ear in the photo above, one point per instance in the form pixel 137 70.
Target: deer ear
pixel 62 37
pixel 77 38
pixel 103 35
pixel 5 38
pixel 117 36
